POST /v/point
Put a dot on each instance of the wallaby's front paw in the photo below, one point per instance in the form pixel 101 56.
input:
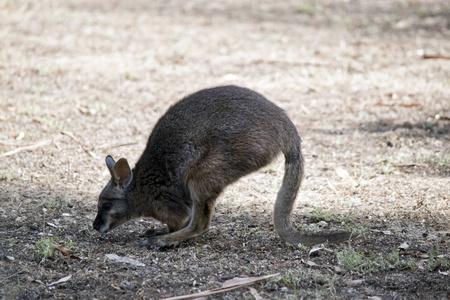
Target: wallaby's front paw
pixel 151 241
pixel 154 243
pixel 153 232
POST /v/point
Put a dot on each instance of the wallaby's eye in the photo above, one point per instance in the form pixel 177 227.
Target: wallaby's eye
pixel 106 206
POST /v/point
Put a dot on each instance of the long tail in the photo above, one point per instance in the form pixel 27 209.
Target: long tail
pixel 284 204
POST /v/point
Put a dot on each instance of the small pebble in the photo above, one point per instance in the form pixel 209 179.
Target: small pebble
pixel 323 224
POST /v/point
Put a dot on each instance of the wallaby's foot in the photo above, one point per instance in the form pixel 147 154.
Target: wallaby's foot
pixel 154 243
pixel 154 232
pixel 170 240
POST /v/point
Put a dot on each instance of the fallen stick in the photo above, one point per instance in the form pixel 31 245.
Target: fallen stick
pixel 50 142
pixel 409 165
pixel 14 145
pixel 227 286
pixel 118 145
pixel 31 147
pixel 436 56
pixel 70 134
pixel 83 145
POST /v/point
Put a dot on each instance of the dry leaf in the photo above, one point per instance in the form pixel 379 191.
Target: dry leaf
pixel 65 252
pixel 30 279
pixel 310 263
pixel 315 249
pixel 62 280
pixel 421 263
pixel 52 225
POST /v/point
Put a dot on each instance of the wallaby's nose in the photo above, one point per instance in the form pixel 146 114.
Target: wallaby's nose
pixel 96 224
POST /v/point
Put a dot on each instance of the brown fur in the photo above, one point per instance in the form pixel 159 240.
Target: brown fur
pixel 202 144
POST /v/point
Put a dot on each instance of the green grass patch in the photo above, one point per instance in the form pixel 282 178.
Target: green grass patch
pixel 58 202
pixel 46 246
pixel 372 262
pixel 437 261
pixel 308 283
pixel 439 159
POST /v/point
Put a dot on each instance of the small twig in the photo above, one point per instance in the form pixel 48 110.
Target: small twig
pixel 14 145
pixel 91 154
pixel 83 145
pixel 436 56
pixel 70 134
pixel 48 143
pixel 397 104
pixel 227 286
pixel 31 147
pixel 409 165
pixel 6 278
pixel 118 145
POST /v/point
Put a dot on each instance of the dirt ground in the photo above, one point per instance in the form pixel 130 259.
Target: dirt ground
pixel 82 79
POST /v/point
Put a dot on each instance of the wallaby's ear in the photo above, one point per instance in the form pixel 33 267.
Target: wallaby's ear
pixel 110 162
pixel 122 173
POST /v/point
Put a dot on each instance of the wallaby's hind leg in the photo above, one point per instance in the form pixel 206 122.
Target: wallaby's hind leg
pixel 201 215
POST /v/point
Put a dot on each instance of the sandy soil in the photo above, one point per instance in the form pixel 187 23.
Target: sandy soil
pixel 83 79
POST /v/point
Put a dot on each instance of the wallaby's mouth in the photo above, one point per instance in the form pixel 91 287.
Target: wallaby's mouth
pixel 102 228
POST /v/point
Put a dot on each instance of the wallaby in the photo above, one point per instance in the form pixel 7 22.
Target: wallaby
pixel 200 145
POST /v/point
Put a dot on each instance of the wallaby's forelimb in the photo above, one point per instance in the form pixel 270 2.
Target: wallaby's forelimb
pixel 154 232
pixel 201 215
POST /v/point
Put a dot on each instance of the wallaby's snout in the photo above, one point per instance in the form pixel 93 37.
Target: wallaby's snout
pixel 98 224
pixel 111 216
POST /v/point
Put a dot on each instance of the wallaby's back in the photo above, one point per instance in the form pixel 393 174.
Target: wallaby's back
pixel 222 133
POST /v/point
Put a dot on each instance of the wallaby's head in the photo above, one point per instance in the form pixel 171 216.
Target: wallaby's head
pixel 113 203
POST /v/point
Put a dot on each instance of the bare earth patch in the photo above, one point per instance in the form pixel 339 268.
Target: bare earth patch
pixel 83 79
